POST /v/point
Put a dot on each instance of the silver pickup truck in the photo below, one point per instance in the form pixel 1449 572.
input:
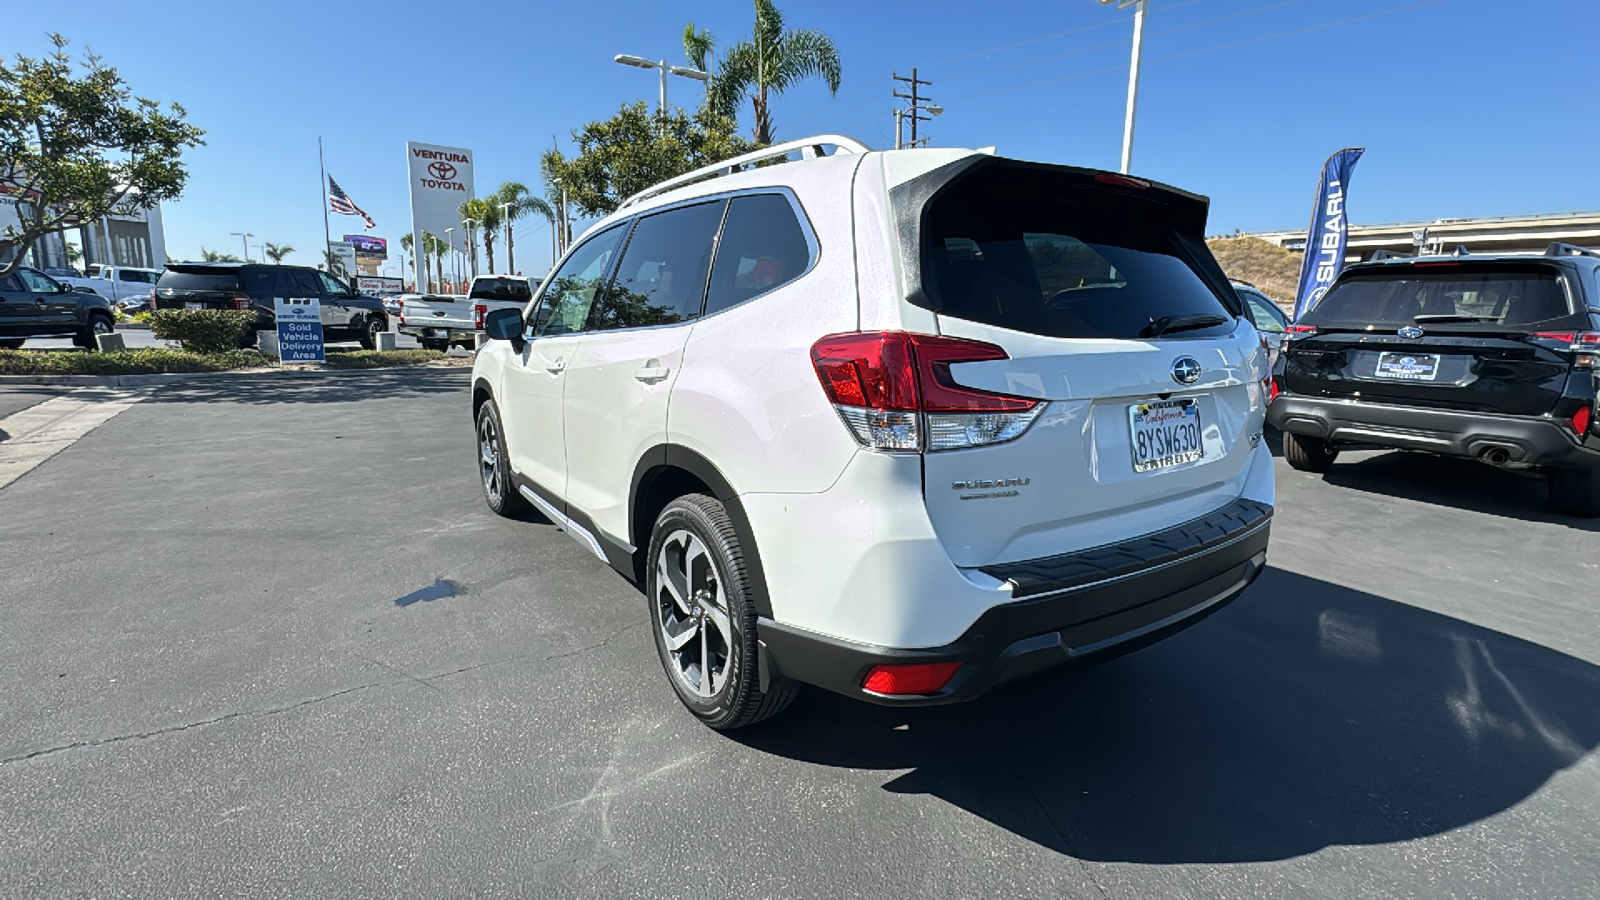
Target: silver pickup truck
pixel 442 320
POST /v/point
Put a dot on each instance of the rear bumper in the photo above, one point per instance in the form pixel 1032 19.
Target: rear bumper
pixel 1526 440
pixel 437 332
pixel 1075 608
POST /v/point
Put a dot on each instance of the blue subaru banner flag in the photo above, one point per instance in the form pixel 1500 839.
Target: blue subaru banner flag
pixel 1329 232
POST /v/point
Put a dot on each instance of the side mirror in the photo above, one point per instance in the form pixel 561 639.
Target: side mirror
pixel 503 325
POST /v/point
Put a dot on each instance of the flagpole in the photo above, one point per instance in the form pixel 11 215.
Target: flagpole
pixel 327 235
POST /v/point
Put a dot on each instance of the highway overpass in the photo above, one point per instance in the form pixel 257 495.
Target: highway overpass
pixel 1499 234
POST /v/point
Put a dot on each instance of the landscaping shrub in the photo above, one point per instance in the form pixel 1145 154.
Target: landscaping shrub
pixel 203 330
pixel 126 362
pixel 377 359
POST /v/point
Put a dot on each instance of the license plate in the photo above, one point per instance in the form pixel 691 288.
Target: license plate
pixel 1408 366
pixel 1165 433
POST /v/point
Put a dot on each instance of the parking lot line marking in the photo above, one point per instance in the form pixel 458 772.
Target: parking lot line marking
pixel 35 434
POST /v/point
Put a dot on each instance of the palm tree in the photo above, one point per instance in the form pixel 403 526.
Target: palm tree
pixel 276 252
pixel 432 245
pixel 515 201
pixel 485 216
pixel 217 256
pixel 768 62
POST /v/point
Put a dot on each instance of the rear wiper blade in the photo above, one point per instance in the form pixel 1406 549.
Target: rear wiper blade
pixel 1169 324
pixel 1449 317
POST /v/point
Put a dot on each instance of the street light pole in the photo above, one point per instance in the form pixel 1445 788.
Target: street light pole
pixel 451 242
pixel 1133 76
pixel 244 238
pixel 642 63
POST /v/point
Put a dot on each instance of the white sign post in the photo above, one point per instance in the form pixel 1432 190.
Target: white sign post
pixel 299 329
pixel 441 178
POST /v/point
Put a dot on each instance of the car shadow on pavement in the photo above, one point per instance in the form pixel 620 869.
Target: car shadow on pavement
pixel 1306 715
pixel 341 388
pixel 1458 483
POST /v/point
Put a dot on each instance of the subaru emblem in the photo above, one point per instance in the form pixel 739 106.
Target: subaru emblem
pixel 1186 370
pixel 1410 332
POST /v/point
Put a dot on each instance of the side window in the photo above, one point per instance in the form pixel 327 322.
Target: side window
pixel 331 285
pixel 37 283
pixel 302 284
pixel 11 283
pixel 258 282
pixel 763 247
pixel 661 278
pixel 1262 312
pixel 564 307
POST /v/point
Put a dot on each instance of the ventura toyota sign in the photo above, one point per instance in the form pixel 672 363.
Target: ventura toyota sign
pixel 441 177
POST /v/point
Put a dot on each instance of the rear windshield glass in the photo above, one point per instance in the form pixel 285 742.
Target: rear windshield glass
pixel 1516 299
pixel 1058 261
pixel 501 289
pixel 199 280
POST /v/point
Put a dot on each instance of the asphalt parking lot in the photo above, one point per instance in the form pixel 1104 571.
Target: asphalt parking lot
pixel 264 638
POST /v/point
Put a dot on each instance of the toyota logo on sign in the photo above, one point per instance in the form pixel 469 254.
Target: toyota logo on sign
pixel 442 170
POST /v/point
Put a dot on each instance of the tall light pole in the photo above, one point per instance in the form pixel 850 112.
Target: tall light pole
pixel 511 260
pixel 1133 75
pixel 244 238
pixel 903 113
pixel 452 244
pixel 642 63
pixel 472 246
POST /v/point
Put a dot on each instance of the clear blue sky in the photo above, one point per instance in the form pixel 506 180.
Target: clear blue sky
pixel 1457 101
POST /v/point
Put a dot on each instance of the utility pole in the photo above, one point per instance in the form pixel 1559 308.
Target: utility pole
pixel 915 106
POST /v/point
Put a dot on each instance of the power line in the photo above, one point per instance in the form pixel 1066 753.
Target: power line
pixel 1219 48
pixel 834 103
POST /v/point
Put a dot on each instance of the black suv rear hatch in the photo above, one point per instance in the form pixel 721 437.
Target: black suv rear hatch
pixel 1457 334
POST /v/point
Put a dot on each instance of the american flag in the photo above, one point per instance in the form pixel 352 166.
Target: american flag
pixel 340 202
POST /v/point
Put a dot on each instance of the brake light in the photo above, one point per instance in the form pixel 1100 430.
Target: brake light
pixel 479 310
pixel 1581 420
pixel 1126 181
pixel 400 310
pixel 1272 389
pixel 912 678
pixel 894 391
pixel 1584 344
pixel 241 301
pixel 1292 330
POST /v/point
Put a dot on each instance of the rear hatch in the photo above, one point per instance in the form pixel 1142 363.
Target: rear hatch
pixel 198 287
pixel 1460 334
pixel 1107 305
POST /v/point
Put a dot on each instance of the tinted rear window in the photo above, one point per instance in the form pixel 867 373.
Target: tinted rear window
pixel 199 280
pixel 501 289
pixel 1055 260
pixel 1483 299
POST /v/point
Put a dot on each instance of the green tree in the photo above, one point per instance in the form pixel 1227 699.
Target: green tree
pixel 74 254
pixel 276 252
pixel 768 62
pixel 76 145
pixel 485 218
pixel 634 149
pixel 217 256
pixel 433 246
pixel 515 201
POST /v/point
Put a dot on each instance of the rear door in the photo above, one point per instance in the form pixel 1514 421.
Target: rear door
pixel 1108 305
pixel 623 369
pixel 1449 335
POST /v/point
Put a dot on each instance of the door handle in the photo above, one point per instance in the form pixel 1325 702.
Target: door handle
pixel 651 374
pixel 557 367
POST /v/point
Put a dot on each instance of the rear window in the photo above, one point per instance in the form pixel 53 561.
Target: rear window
pixel 1061 261
pixel 1520 298
pixel 199 280
pixel 501 289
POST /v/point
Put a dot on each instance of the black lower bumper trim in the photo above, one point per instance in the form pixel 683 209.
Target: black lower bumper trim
pixel 1090 622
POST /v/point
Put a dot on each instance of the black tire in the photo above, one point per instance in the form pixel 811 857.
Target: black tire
pixel 715 609
pixel 97 323
pixel 494 465
pixel 1575 492
pixel 375 326
pixel 12 344
pixel 432 344
pixel 1307 454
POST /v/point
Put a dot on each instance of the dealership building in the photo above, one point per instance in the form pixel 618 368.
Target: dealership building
pixel 118 240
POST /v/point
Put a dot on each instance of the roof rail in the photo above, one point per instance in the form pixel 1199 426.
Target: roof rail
pixel 1557 248
pixel 809 148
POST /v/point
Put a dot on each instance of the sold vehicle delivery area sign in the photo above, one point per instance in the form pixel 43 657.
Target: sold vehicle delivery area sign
pixel 299 329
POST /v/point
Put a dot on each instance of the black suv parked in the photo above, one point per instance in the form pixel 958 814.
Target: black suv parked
pixel 346 314
pixel 1494 358
pixel 32 304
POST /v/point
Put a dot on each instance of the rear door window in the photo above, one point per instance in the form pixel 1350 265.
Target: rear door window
pixel 661 278
pixel 303 283
pixel 259 282
pixel 1053 260
pixel 1522 297
pixel 763 247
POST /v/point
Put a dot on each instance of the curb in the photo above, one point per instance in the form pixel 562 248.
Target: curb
pixel 178 377
pixel 132 326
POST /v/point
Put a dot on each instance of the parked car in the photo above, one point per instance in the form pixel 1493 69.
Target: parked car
pixel 122 285
pixel 938 419
pixel 346 314
pixel 32 304
pixel 1269 318
pixel 440 320
pixel 62 272
pixel 1491 358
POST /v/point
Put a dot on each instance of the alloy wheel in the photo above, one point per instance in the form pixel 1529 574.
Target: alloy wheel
pixel 489 462
pixel 691 612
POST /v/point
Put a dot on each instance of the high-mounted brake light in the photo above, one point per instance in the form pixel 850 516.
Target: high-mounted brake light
pixel 1126 181
pixel 895 392
pixel 911 678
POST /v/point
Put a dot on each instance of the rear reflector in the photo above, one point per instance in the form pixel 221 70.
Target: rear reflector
pixel 1581 420
pixel 914 678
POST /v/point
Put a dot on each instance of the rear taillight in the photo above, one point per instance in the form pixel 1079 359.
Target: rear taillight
pixel 479 310
pixel 910 678
pixel 1272 389
pixel 1293 331
pixel 895 392
pixel 1581 421
pixel 400 311
pixel 241 301
pixel 152 301
pixel 1584 345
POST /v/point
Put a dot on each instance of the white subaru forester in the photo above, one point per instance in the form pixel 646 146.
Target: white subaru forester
pixel 903 425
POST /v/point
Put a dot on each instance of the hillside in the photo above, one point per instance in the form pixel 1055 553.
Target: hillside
pixel 1272 269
